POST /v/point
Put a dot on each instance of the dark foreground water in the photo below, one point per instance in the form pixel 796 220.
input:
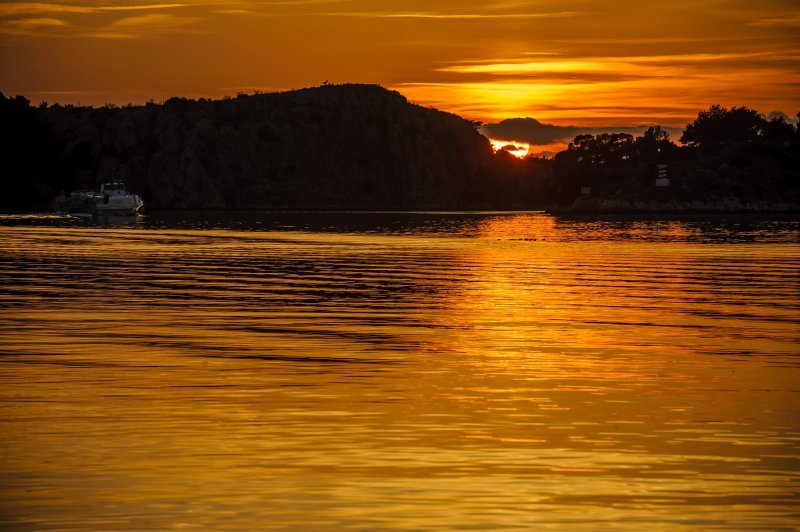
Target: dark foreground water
pixel 399 371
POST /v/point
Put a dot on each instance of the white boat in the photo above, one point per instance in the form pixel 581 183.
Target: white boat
pixel 116 200
pixel 112 200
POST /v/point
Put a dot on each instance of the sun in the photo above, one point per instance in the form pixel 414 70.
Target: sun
pixel 517 149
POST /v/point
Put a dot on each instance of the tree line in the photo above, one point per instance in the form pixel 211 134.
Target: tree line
pixel 724 153
pixel 364 147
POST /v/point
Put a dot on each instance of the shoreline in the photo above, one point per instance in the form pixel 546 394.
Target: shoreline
pixel 721 206
pixel 550 210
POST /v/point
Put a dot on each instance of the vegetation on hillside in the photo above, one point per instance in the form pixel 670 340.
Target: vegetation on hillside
pixel 346 146
pixel 735 156
pixel 364 147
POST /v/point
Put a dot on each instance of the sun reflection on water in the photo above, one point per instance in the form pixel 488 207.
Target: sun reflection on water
pixel 516 370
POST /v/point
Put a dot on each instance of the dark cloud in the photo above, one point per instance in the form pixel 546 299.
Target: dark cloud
pixel 528 130
pixel 536 133
pixel 511 147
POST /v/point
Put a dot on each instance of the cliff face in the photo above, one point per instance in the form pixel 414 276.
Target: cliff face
pixel 336 146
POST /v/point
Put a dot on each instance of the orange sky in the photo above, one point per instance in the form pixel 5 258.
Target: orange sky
pixel 575 62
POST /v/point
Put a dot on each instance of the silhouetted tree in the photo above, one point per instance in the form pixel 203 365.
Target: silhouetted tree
pixel 604 149
pixel 26 156
pixel 655 146
pixel 719 126
pixel 777 132
pixel 656 134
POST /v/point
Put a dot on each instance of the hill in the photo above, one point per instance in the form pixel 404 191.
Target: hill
pixel 365 147
pixel 335 146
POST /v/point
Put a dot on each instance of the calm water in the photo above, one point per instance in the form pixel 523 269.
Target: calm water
pixel 400 371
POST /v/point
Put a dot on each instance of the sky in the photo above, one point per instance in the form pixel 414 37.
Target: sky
pixel 574 63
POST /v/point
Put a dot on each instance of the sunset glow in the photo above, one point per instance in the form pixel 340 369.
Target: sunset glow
pixel 566 63
pixel 401 265
pixel 515 148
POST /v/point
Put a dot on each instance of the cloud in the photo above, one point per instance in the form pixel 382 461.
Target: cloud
pixel 793 22
pixel 528 130
pixel 301 2
pixel 141 26
pixel 236 12
pixel 463 16
pixel 525 68
pixel 19 8
pixel 155 20
pixel 512 147
pixel 603 64
pixel 616 103
pixel 537 133
pixel 131 27
pixel 603 90
pixel 28 26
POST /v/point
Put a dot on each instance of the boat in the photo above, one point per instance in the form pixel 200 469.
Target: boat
pixel 116 200
pixel 113 199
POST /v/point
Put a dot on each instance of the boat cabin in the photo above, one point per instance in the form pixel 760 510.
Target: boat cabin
pixel 113 189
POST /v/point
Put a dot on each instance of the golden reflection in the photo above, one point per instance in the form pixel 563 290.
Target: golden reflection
pixel 514 368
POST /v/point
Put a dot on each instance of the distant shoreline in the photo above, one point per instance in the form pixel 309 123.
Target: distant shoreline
pixel 603 206
pixel 554 211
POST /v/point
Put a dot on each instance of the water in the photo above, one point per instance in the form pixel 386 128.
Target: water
pixel 399 371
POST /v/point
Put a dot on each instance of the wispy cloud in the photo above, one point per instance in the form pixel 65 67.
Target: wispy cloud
pixel 525 67
pixel 465 16
pixel 301 2
pixel 249 8
pixel 155 20
pixel 31 19
pixel 793 22
pixel 485 59
pixel 30 26
pixel 532 83
pixel 236 12
pixel 141 26
pixel 627 64
pixel 19 8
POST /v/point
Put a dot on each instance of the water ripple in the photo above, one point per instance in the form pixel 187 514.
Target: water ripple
pixel 399 371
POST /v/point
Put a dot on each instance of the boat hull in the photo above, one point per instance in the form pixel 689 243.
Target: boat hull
pixel 100 205
pixel 116 212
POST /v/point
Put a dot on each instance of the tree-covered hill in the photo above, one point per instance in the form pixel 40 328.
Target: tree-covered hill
pixel 335 146
pixel 365 147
